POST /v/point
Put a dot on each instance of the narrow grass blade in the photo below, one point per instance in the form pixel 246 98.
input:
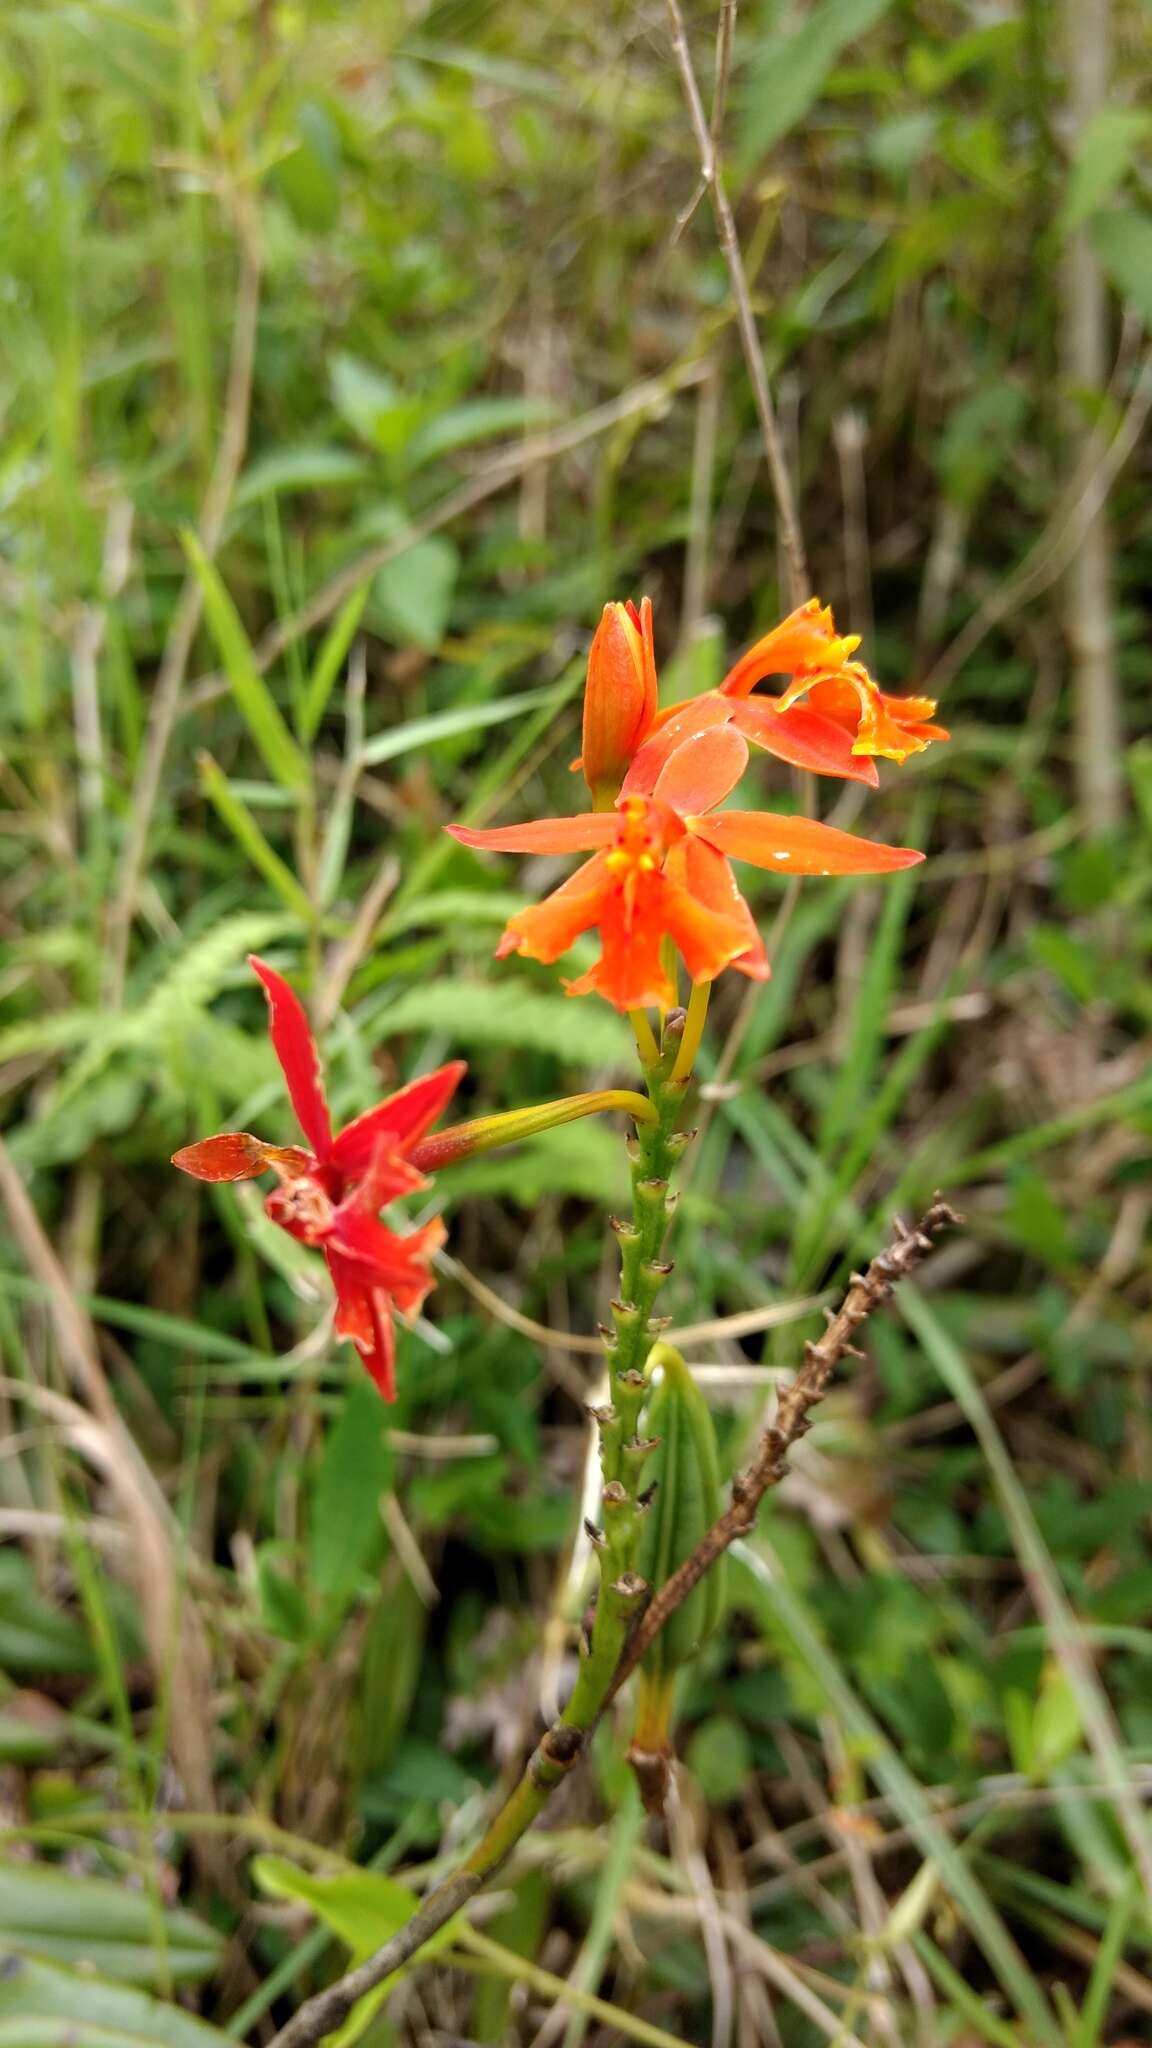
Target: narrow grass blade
pixel 1065 1638
pixel 282 756
pixel 445 725
pixel 330 661
pixel 247 834
pixel 906 1795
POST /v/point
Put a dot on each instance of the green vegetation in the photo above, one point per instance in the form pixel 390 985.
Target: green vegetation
pixel 353 356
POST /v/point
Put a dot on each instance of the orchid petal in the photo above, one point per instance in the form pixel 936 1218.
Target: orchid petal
pixel 799 846
pixel 670 729
pixel 802 737
pixel 237 1155
pixel 402 1118
pixel 545 930
pixel 581 834
pixel 702 771
pixel 295 1049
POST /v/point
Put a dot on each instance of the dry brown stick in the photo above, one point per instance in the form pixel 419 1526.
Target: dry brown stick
pixel 791 537
pixel 868 1292
pixel 562 1747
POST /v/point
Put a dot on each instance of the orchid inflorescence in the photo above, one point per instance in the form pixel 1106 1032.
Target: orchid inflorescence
pixel 658 883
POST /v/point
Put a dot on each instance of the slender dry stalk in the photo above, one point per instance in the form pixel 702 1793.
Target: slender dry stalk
pixel 791 538
pixel 175 1641
pixel 1088 580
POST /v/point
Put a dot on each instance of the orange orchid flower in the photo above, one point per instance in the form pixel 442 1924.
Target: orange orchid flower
pixel 836 689
pixel 843 721
pixel 331 1196
pixel 660 870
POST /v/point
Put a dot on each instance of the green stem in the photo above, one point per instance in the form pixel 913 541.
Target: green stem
pixel 654 1154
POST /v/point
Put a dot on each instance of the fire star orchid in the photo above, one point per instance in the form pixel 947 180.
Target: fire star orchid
pixel 831 718
pixel 330 1196
pixel 660 871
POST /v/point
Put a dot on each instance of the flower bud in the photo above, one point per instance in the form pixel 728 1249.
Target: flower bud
pixel 619 698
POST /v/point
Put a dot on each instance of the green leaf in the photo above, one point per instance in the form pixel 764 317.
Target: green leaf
pixel 1036 1220
pixel 373 405
pixel 477 419
pixel 354 1472
pixel 1123 243
pixel 234 813
pixel 720 1759
pixel 45 2007
pixel 1103 158
pixel 412 594
pixel 301 468
pixel 791 68
pixel 282 757
pixel 330 661
pixel 445 725
pixel 35 1639
pixel 363 1909
pixel 90 1921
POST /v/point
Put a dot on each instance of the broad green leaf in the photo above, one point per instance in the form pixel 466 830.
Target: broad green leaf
pixel 412 594
pixel 1123 242
pixel 373 405
pixel 477 419
pixel 791 68
pixel 363 1909
pixel 354 1472
pixel 302 468
pixel 445 725
pixel 45 2007
pixel 281 755
pixel 1103 157
pixel 234 812
pixel 63 1918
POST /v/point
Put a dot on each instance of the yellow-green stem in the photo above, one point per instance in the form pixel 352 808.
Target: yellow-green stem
pixel 645 1037
pixel 693 1030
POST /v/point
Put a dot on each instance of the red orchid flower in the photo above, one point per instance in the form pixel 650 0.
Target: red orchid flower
pixel 331 1196
pixel 660 870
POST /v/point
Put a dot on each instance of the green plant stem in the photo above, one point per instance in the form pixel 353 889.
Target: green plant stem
pixel 654 1153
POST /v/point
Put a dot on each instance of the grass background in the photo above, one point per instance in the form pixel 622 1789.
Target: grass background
pixel 399 311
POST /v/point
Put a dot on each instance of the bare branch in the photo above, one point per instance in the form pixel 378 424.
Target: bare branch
pixel 868 1292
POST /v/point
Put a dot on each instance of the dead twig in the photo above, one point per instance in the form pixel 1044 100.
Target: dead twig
pixel 868 1292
